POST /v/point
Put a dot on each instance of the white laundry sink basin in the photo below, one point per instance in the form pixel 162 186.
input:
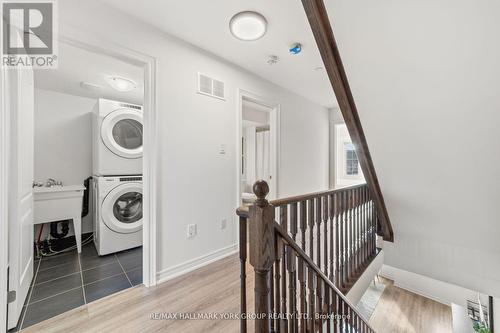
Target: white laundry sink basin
pixel 59 203
pixel 58 189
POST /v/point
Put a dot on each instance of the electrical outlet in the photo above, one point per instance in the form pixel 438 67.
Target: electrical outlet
pixel 223 224
pixel 191 230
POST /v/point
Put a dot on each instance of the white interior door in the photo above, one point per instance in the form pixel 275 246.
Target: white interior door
pixel 257 113
pixel 20 94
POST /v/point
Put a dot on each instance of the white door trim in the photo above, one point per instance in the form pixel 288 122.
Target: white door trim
pixel 275 128
pixel 150 158
pixel 151 140
pixel 4 204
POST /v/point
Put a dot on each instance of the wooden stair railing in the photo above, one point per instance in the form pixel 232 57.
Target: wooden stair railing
pixel 306 261
pixel 320 25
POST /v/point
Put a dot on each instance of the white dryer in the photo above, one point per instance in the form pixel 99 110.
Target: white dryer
pixel 118 213
pixel 117 138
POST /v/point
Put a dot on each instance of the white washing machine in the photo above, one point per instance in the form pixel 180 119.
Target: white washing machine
pixel 118 213
pixel 117 138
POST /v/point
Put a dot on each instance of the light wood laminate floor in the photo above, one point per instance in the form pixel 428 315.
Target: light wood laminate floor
pixel 210 289
pixel 216 289
pixel 401 311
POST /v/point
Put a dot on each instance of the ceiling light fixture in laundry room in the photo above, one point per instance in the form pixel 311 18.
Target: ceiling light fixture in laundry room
pixel 121 84
pixel 248 25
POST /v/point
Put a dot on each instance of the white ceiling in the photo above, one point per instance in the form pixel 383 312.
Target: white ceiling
pixel 206 25
pixel 77 65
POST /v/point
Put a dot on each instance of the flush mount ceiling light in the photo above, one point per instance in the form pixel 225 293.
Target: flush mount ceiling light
pixel 248 26
pixel 121 84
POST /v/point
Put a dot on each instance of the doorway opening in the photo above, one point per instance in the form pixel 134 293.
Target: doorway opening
pixel 258 146
pixel 88 146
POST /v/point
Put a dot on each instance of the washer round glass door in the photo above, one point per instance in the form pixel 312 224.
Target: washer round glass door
pixel 122 208
pixel 122 133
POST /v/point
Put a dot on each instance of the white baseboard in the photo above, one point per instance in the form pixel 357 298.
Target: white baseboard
pixel 421 293
pixel 439 291
pixel 190 265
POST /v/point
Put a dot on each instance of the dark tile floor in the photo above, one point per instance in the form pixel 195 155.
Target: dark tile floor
pixel 66 281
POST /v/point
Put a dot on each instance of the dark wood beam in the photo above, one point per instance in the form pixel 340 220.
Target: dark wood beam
pixel 491 314
pixel 323 33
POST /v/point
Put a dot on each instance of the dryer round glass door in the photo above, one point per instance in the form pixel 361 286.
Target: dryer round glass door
pixel 122 208
pixel 121 132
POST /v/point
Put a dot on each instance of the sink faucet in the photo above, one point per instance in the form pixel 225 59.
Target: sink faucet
pixel 52 182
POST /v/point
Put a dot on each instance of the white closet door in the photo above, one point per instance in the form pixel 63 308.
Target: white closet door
pixel 21 105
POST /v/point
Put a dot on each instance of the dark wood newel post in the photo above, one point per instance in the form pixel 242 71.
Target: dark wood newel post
pixel 243 276
pixel 262 254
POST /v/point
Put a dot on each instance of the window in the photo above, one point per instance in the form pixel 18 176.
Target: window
pixel 351 160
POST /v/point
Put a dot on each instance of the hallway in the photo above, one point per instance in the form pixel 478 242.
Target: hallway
pixel 214 289
pixel 211 289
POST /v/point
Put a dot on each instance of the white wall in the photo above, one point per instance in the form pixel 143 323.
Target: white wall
pixel 197 184
pixel 496 313
pixel 304 147
pixel 63 141
pixel 335 118
pixel 425 78
pixel 437 290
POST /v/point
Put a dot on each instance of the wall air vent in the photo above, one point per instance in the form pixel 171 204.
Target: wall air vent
pixel 210 86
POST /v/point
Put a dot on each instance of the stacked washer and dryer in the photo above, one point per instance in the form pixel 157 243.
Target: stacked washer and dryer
pixel 117 182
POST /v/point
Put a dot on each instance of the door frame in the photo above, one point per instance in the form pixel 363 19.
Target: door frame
pixel 275 119
pixel 150 157
pixel 151 140
pixel 4 203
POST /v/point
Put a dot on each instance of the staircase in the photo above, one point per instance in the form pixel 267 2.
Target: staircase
pixel 307 252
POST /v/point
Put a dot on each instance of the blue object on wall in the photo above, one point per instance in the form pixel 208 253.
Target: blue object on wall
pixel 296 48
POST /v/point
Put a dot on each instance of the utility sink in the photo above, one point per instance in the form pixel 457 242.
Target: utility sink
pixel 59 203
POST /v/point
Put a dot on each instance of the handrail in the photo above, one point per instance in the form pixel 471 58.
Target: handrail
pixel 244 209
pixel 319 21
pixel 283 234
pixel 298 198
pixel 330 234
